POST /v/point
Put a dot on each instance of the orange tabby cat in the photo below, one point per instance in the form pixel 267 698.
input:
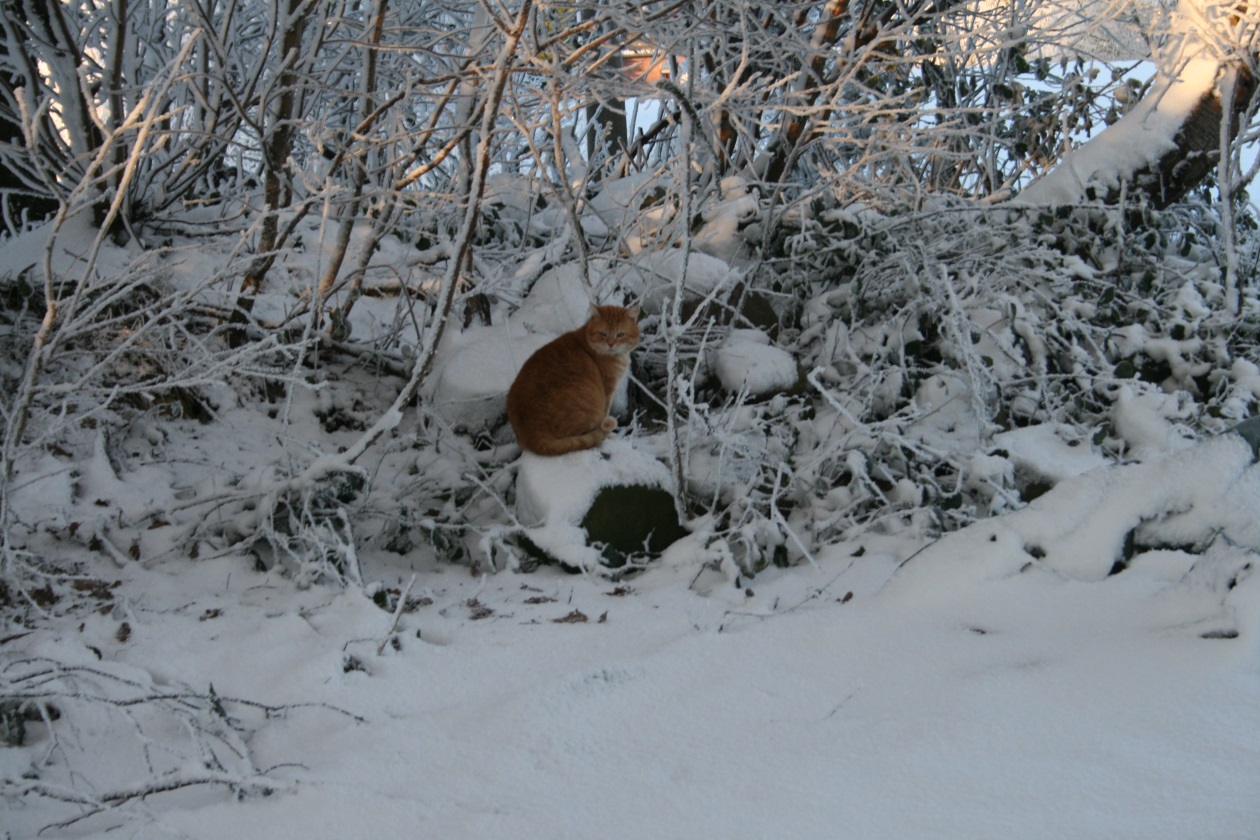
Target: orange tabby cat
pixel 559 401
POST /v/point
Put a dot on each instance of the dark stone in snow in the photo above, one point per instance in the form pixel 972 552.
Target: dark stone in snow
pixel 600 506
pixel 1250 431
pixel 632 520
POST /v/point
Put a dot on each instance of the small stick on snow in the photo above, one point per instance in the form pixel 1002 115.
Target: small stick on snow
pixel 121 560
pixel 398 611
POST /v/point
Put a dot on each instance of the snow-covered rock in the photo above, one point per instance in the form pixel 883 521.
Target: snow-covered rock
pixel 635 207
pixel 564 502
pixel 654 277
pixel 475 370
pixel 747 360
pixel 559 301
pixel 1249 430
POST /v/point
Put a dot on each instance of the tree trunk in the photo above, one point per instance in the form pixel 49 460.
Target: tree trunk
pixel 1163 164
pixel 607 133
pixel 339 324
pixel 21 199
pixel 277 144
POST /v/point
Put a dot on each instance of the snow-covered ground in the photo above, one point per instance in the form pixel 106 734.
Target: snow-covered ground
pixel 997 683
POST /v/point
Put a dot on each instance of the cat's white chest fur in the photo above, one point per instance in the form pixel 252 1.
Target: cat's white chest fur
pixel 620 394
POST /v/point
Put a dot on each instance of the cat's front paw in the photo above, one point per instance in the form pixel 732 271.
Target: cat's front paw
pixel 608 424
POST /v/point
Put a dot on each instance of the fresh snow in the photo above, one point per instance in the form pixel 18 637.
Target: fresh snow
pixel 747 361
pixel 995 684
pixel 1085 666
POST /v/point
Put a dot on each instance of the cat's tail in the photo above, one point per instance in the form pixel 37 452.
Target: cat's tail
pixel 565 445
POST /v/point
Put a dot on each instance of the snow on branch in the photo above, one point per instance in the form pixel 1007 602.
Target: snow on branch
pixel 1166 144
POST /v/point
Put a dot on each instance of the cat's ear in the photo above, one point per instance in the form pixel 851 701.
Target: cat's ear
pixel 633 312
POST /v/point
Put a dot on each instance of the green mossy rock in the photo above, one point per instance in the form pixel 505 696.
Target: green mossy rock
pixel 632 520
pixel 595 508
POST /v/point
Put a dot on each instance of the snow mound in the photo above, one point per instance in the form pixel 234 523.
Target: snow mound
pixel 475 371
pixel 720 236
pixel 1092 526
pixel 554 494
pixel 1042 451
pixel 747 360
pixel 633 207
pixel 1147 421
pixel 655 276
pixel 559 301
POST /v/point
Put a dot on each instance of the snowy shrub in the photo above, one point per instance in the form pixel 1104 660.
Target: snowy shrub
pixel 927 336
pixel 850 370
pixel 306 530
pixel 846 320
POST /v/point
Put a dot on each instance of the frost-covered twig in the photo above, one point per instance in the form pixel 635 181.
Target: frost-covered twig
pixel 38 678
pixel 213 750
pixel 399 609
pixel 96 803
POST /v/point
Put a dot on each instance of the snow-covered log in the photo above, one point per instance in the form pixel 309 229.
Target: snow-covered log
pixel 1172 139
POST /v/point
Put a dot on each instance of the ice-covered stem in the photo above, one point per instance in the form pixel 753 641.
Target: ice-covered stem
pixel 350 212
pixel 96 803
pixel 1225 179
pixel 115 97
pixel 568 197
pixel 450 281
pixel 398 611
pixel 673 326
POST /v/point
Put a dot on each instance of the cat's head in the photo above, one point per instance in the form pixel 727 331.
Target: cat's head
pixel 613 330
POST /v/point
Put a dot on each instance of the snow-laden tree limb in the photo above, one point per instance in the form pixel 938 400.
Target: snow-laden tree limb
pixel 1172 139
